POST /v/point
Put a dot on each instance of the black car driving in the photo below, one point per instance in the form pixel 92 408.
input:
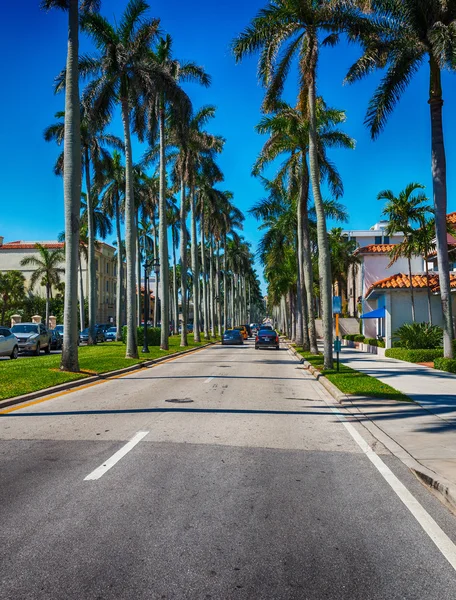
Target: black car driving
pixel 267 338
pixel 232 336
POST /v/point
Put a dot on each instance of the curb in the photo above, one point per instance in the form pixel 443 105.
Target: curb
pixel 443 489
pixel 86 380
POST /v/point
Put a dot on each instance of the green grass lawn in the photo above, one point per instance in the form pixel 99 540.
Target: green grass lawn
pixel 30 374
pixel 355 383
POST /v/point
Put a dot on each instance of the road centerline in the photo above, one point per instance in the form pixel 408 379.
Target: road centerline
pixel 114 459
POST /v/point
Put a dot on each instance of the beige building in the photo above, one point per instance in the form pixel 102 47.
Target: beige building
pixel 12 253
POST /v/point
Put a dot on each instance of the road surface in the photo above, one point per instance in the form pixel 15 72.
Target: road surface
pixel 224 474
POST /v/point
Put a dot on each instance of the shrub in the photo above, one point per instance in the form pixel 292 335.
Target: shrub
pixel 422 336
pixel 414 356
pixel 153 335
pixel 445 364
pixel 371 341
pixel 359 338
pixel 381 343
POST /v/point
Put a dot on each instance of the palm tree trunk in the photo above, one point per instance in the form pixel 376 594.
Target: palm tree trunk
pixel 154 228
pixel 225 288
pixel 130 237
pixel 48 294
pixel 218 291
pixel 163 239
pixel 81 296
pixel 426 260
pixel 175 291
pixel 232 321
pixel 204 275
pixel 324 262
pixel 194 253
pixel 139 305
pixel 412 296
pixel 90 253
pixel 211 284
pixel 72 193
pixel 440 203
pixel 183 261
pixel 119 297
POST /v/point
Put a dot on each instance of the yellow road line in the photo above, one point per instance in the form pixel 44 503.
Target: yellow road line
pixel 89 385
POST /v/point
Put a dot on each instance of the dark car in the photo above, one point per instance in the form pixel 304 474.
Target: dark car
pixel 56 340
pixel 267 338
pixel 99 335
pixel 104 326
pixel 266 327
pixel 32 337
pixel 232 336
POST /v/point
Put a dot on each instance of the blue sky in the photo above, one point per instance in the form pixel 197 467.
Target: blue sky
pixel 33 49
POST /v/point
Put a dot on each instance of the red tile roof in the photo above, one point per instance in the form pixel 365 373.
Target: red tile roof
pixel 451 218
pixel 19 245
pixel 402 281
pixel 375 249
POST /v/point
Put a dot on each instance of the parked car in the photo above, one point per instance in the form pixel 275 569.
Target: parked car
pixel 243 331
pixel 32 337
pixel 56 340
pixel 104 326
pixel 8 343
pixel 99 335
pixel 267 338
pixel 249 330
pixel 232 336
pixel 110 335
pixel 60 329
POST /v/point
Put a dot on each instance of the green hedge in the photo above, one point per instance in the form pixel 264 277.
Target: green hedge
pixel 359 338
pixel 414 356
pixel 445 364
pixel 153 335
pixel 375 342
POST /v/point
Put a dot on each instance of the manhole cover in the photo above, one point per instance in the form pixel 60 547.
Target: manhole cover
pixel 179 400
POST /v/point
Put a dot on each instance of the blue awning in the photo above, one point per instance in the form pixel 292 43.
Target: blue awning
pixel 378 313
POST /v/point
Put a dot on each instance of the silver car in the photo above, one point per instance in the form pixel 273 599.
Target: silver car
pixel 32 337
pixel 8 343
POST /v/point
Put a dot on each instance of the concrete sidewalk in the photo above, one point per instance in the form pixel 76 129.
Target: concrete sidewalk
pixel 423 430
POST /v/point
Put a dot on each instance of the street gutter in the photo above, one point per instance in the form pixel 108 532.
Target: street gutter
pixel 441 487
pixel 62 387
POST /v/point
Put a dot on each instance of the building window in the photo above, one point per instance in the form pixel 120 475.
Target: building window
pixel 107 268
pixel 380 240
pixel 96 265
pixel 107 286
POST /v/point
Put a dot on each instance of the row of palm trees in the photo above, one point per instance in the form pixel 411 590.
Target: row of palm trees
pixel 395 37
pixel 133 70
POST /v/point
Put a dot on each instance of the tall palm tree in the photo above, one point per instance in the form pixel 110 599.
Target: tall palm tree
pixel 288 129
pixel 404 36
pixel 403 212
pixel 72 177
pixel 343 257
pixel 283 31
pixel 125 73
pixel 12 290
pixel 47 271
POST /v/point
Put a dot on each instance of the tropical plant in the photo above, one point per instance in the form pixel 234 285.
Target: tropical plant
pixel 12 291
pixel 414 336
pixel 47 270
pixel 343 256
pixel 72 175
pixel 404 36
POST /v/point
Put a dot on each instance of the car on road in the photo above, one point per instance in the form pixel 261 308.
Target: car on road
pixel 267 338
pixel 59 329
pixel 9 345
pixel 56 340
pixel 99 335
pixel 243 331
pixel 249 330
pixel 32 337
pixel 232 336
pixel 110 335
pixel 266 327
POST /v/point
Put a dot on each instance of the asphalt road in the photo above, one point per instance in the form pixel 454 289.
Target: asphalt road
pixel 243 485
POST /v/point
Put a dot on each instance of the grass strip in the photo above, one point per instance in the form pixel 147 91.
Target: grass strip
pixel 35 373
pixel 353 382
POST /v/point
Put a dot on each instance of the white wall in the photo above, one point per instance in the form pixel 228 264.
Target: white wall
pixel 401 308
pixel 375 268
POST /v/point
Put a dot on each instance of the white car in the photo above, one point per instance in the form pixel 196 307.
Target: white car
pixel 8 343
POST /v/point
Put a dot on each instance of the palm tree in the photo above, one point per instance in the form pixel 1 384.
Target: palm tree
pixel 343 257
pixel 93 157
pixel 403 211
pixel 125 73
pixel 293 26
pixel 422 241
pixel 11 290
pixel 404 36
pixel 72 177
pixel 288 129
pixel 113 189
pixel 47 270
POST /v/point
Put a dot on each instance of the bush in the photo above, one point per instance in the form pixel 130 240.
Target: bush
pixel 420 336
pixel 371 341
pixel 414 356
pixel 153 335
pixel 445 364
pixel 358 338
